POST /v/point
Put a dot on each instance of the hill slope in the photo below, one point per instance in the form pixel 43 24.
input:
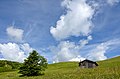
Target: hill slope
pixel 107 69
pixel 8 65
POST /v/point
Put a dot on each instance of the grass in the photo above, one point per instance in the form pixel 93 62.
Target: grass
pixel 107 69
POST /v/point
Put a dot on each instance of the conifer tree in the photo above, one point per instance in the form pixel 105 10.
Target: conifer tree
pixel 33 65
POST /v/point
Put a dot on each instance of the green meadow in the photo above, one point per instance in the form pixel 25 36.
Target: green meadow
pixel 107 69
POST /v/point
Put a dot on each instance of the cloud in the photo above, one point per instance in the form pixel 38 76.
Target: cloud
pixel 15 52
pixel 98 51
pixel 76 21
pixel 64 51
pixel 15 33
pixel 84 42
pixel 69 51
pixel 26 48
pixel 112 2
pixel 77 59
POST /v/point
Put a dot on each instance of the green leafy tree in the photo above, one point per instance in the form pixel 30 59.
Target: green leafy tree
pixel 33 65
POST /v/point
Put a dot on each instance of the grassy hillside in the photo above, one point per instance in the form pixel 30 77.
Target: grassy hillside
pixel 107 69
pixel 8 65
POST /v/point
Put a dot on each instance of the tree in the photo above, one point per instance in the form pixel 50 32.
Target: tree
pixel 33 65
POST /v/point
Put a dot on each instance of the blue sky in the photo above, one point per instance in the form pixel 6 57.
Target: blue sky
pixel 60 30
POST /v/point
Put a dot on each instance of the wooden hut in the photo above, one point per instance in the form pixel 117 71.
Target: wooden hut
pixel 87 64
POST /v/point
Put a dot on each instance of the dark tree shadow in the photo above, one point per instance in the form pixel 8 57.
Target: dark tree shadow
pixel 41 74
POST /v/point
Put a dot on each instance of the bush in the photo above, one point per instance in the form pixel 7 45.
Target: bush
pixel 14 65
pixel 33 65
pixel 6 68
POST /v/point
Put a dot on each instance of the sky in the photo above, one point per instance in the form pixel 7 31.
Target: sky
pixel 60 30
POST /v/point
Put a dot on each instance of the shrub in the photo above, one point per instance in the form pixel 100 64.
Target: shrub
pixel 6 68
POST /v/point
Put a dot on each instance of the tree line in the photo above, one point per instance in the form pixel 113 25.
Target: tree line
pixel 33 65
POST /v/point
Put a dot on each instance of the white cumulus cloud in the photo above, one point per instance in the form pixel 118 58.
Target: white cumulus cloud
pixel 64 51
pixel 15 33
pixel 69 51
pixel 26 48
pixel 99 50
pixel 77 59
pixel 98 53
pixel 15 52
pixel 76 21
pixel 84 42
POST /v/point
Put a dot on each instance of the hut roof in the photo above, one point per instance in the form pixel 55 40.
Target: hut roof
pixel 86 60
